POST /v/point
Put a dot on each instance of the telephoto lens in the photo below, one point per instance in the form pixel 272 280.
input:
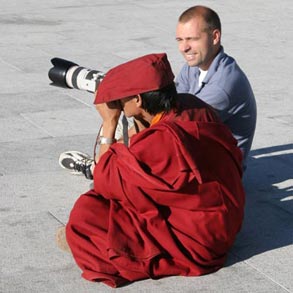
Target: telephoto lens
pixel 67 74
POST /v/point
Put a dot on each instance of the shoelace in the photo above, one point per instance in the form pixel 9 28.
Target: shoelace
pixel 82 165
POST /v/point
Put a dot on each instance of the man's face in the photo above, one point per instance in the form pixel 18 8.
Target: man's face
pixel 130 106
pixel 197 45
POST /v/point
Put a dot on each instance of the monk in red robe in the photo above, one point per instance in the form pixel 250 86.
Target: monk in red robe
pixel 169 204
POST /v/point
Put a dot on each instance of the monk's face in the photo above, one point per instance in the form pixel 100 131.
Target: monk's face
pixel 197 43
pixel 131 106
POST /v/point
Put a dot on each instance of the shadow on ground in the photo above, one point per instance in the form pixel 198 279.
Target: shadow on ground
pixel 268 222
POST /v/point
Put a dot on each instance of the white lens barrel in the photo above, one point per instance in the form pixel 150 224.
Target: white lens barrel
pixel 69 74
pixel 83 78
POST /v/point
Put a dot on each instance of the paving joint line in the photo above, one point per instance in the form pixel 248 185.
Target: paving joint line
pixel 260 272
pixel 11 66
pixel 36 125
pixel 80 101
pixel 52 215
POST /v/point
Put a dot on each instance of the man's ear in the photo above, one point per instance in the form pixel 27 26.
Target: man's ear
pixel 216 36
pixel 138 100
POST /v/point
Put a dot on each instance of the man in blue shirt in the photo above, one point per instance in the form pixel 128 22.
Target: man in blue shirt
pixel 213 76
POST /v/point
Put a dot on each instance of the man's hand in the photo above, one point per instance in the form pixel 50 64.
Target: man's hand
pixel 110 113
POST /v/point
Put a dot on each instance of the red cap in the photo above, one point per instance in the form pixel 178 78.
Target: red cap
pixel 147 73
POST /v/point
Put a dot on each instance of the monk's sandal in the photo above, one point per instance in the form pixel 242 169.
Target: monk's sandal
pixel 61 239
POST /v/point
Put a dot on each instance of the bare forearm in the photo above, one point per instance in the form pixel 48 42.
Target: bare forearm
pixel 110 114
pixel 109 128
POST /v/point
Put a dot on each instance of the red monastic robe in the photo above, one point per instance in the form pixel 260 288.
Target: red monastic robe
pixel 170 204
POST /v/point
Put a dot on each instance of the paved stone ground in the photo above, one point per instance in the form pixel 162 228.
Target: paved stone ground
pixel 38 122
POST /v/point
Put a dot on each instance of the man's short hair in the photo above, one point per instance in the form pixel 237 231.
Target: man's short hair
pixel 210 17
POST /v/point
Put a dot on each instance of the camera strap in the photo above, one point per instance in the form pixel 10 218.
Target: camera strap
pixel 125 130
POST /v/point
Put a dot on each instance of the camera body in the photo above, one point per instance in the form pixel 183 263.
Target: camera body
pixel 67 74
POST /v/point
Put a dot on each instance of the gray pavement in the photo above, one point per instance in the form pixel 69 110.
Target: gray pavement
pixel 38 122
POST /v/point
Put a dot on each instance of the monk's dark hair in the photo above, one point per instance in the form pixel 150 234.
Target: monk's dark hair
pixel 210 17
pixel 162 100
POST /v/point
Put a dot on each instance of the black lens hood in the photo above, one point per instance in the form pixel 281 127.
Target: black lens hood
pixel 57 74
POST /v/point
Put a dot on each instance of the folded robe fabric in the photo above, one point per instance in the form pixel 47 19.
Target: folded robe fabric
pixel 170 204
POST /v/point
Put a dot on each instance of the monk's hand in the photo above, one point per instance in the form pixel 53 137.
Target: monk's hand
pixel 110 113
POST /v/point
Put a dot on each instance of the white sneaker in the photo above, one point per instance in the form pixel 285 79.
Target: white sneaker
pixel 77 163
